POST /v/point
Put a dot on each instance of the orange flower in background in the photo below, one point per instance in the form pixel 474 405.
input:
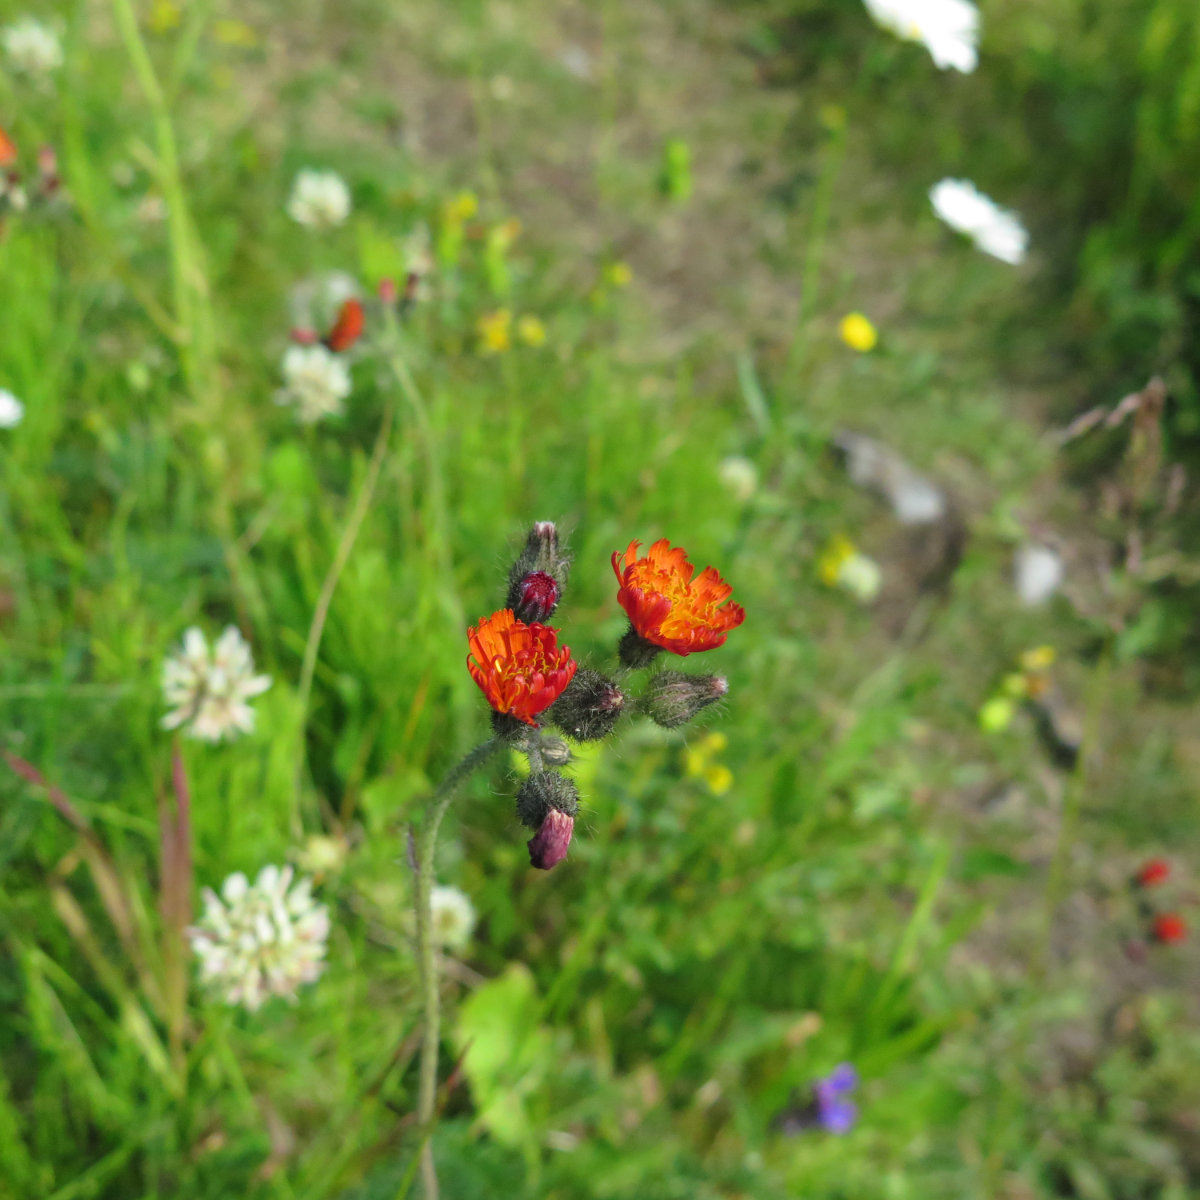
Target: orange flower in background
pixel 8 149
pixel 1168 928
pixel 1154 872
pixel 667 606
pixel 348 327
pixel 520 668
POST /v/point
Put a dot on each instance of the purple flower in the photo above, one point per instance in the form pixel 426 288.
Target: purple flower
pixel 835 1112
pixel 827 1106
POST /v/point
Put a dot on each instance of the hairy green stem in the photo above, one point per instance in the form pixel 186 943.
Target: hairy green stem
pixel 426 843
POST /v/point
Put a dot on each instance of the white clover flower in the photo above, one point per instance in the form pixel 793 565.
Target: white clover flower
pixel 739 475
pixel 949 29
pixel 995 230
pixel 453 917
pixel 260 940
pixel 1037 573
pixel 319 199
pixel 316 381
pixel 208 693
pixel 861 577
pixel 32 47
pixel 11 410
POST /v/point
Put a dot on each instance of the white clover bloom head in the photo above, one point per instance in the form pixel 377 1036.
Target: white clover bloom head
pixel 861 577
pixel 948 29
pixel 319 199
pixel 453 917
pixel 261 939
pixel 208 693
pixel 32 47
pixel 995 230
pixel 316 381
pixel 11 410
pixel 1037 573
pixel 739 475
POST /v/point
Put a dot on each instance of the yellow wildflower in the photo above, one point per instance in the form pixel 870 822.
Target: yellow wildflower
pixel 165 15
pixel 461 209
pixel 857 332
pixel 698 763
pixel 495 332
pixel 235 33
pixel 996 714
pixel 1040 658
pixel 836 554
pixel 618 274
pixel 531 331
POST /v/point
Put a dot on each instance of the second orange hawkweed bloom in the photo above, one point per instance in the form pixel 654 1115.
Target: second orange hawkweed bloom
pixel 669 608
pixel 520 668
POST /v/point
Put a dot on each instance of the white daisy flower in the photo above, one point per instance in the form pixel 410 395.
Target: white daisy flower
pixel 453 917
pixel 32 47
pixel 261 939
pixel 11 410
pixel 316 381
pixel 319 199
pixel 995 230
pixel 949 29
pixel 209 693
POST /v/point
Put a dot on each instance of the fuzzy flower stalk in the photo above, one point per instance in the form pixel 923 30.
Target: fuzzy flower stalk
pixel 531 680
pixel 261 939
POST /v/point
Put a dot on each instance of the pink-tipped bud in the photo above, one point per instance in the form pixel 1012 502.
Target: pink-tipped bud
pixel 548 847
pixel 388 291
pixel 672 698
pixel 305 337
pixel 537 598
pixel 541 556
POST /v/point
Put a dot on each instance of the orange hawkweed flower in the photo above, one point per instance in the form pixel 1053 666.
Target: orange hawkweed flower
pixel 1168 928
pixel 520 668
pixel 667 607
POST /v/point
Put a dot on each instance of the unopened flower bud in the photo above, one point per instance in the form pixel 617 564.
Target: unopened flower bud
pixel 543 554
pixel 388 291
pixel 672 698
pixel 543 792
pixel 534 598
pixel 548 803
pixel 589 708
pixel 548 847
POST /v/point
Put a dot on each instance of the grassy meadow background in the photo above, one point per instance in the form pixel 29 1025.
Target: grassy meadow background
pixel 703 191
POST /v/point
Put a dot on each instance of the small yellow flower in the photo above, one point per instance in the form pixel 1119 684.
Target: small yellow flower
pixel 836 554
pixel 719 779
pixel 858 333
pixel 996 714
pixel 507 232
pixel 235 33
pixel 531 331
pixel 1015 684
pixel 618 274
pixel 495 332
pixel 164 16
pixel 1040 658
pixel 462 208
pixel 698 763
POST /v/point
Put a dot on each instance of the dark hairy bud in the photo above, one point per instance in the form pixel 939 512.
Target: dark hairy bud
pixel 548 803
pixel 534 598
pixel 541 555
pixel 672 698
pixel 589 708
pixel 542 792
